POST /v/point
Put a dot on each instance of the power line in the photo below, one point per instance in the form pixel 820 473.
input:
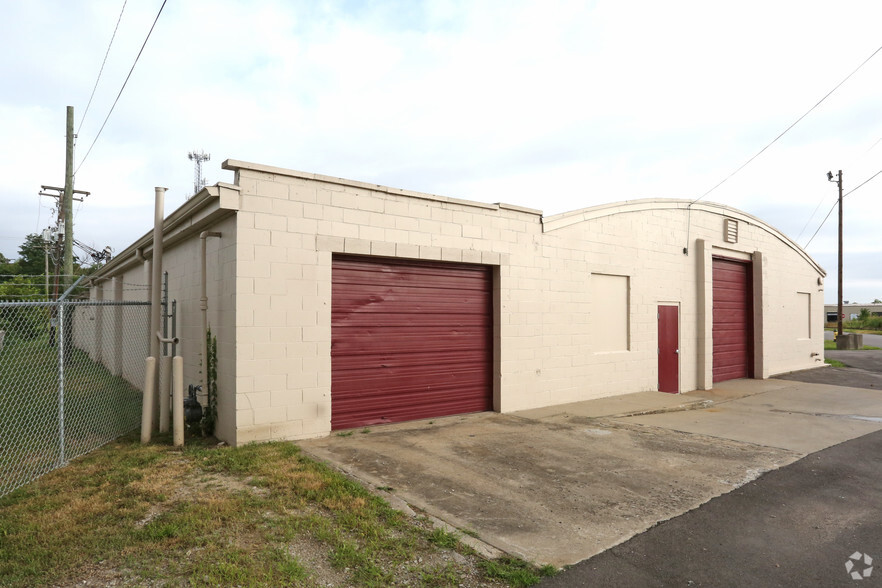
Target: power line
pixel 821 201
pixel 835 203
pixel 124 87
pixel 103 63
pixel 775 140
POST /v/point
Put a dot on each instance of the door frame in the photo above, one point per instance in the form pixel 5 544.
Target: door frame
pixel 675 389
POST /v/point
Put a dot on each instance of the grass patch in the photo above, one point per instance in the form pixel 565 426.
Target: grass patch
pixel 831 346
pixel 516 572
pixel 443 538
pixel 440 575
pixel 98 407
pixel 834 363
pixel 258 515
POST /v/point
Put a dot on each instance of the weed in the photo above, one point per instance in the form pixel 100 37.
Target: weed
pixel 516 572
pixel 211 516
pixel 470 533
pixel 287 566
pixel 366 430
pixel 835 363
pixel 443 538
pixel 209 417
pixel 345 434
pixel 438 576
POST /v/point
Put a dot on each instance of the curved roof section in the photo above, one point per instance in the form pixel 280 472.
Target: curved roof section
pixel 566 219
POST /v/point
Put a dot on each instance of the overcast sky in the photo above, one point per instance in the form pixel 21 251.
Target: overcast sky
pixel 551 105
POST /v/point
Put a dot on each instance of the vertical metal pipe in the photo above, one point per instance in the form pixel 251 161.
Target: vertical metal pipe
pixel 150 394
pixel 165 312
pixel 174 333
pixel 46 262
pixel 64 332
pixel 61 351
pixel 165 381
pixel 178 400
pixel 147 408
pixel 203 306
pixel 156 298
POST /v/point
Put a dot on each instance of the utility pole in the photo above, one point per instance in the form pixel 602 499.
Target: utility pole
pixel 67 205
pixel 65 197
pixel 839 308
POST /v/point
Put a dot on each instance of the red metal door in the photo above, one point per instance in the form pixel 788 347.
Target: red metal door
pixel 668 349
pixel 409 340
pixel 733 319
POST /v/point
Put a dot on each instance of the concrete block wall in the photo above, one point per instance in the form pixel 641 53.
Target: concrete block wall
pixel 290 224
pixel 647 247
pixel 110 335
pixel 182 261
pixel 284 284
pixel 271 291
pixel 647 244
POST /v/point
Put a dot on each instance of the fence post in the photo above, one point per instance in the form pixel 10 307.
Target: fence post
pixel 65 330
pixel 117 328
pixel 61 354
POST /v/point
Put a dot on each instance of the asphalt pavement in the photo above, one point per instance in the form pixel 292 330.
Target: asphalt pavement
pixel 795 526
pixel 814 522
pixel 863 368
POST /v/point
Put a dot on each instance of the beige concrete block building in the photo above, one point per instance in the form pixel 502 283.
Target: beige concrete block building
pixel 340 304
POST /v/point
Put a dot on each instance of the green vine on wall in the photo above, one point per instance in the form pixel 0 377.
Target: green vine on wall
pixel 209 416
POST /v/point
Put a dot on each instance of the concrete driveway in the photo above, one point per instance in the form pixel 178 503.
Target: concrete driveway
pixel 561 484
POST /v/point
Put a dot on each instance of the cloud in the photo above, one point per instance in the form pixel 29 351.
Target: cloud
pixel 554 105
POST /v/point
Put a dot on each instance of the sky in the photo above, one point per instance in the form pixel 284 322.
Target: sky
pixel 546 104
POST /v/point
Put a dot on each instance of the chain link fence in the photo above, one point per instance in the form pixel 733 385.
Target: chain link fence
pixel 71 374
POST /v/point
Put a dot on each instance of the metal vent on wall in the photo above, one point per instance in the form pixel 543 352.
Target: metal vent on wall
pixel 730 229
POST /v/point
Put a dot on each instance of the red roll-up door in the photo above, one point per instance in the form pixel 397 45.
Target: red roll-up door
pixel 409 340
pixel 733 319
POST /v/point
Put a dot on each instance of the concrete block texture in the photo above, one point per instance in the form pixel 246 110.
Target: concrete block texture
pixel 559 337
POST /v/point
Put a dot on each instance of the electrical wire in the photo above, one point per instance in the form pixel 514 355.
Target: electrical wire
pixel 124 87
pixel 103 63
pixel 775 140
pixel 805 226
pixel 821 201
pixel 837 202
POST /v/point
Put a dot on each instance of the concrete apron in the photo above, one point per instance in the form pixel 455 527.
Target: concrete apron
pixel 560 486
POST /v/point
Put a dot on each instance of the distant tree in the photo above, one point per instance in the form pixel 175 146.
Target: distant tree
pixel 865 314
pixel 877 301
pixel 31 256
pixel 7 268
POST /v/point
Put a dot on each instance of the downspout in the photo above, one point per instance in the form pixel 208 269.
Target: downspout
pixel 151 380
pixel 203 306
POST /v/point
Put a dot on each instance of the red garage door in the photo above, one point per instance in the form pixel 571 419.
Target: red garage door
pixel 733 319
pixel 409 340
